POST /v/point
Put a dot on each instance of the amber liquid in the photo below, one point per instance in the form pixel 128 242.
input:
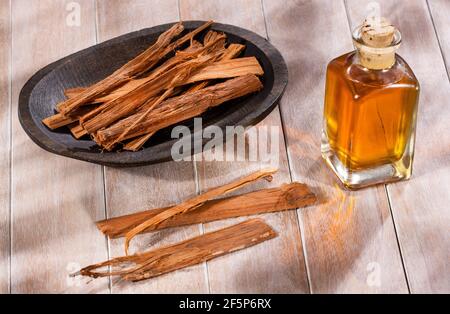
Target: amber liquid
pixel 369 114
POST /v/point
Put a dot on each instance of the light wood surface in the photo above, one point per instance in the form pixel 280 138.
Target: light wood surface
pixel 350 234
pixel 131 190
pixel 390 239
pixel 54 199
pixel 285 272
pixel 440 10
pixel 5 144
pixel 420 206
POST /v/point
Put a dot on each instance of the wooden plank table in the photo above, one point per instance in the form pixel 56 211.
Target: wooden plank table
pixel 386 239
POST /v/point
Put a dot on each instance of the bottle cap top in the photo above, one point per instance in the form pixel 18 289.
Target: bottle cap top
pixel 377 41
pixel 377 33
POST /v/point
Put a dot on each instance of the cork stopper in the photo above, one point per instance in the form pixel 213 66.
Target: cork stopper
pixel 378 34
pixel 376 42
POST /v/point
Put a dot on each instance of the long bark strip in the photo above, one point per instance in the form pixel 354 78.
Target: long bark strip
pixel 233 51
pixel 134 83
pixel 78 131
pixel 74 92
pixel 183 76
pixel 183 107
pixel 174 110
pixel 121 96
pixel 184 254
pixel 124 105
pixel 137 66
pixel 59 120
pixel 286 197
pixel 136 144
pixel 153 105
pixel 186 65
pixel 195 202
pixel 228 69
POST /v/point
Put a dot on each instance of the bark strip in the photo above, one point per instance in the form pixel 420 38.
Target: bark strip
pixel 233 51
pixel 129 106
pixel 195 202
pixel 181 108
pixel 137 66
pixel 184 254
pixel 155 84
pixel 59 120
pixel 286 197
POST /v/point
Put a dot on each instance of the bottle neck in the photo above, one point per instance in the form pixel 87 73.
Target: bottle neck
pixel 376 60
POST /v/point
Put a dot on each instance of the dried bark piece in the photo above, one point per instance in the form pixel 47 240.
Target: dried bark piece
pixel 233 51
pixel 195 202
pixel 183 107
pixel 62 119
pixel 288 196
pixel 180 79
pixel 117 96
pixel 153 105
pixel 217 39
pixel 120 100
pixel 123 106
pixel 188 37
pixel 137 66
pixel 196 87
pixel 149 87
pixel 127 103
pixel 228 69
pixel 210 36
pixel 136 144
pixel 194 49
pixel 73 92
pixel 59 120
pixel 77 130
pixel 184 254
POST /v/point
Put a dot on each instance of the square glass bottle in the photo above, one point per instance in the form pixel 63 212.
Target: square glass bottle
pixel 370 110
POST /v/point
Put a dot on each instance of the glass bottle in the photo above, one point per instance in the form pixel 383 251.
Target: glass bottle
pixel 371 101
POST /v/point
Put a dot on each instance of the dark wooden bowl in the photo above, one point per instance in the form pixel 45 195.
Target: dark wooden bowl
pixel 45 89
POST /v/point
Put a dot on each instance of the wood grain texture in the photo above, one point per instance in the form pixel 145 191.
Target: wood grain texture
pixel 193 251
pixel 55 200
pixel 349 238
pixel 440 11
pixel 5 143
pixel 197 201
pixel 286 197
pixel 251 271
pixel 117 17
pixel 421 206
pixel 132 190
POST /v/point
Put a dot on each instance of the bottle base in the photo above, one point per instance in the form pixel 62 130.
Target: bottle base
pixel 357 179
